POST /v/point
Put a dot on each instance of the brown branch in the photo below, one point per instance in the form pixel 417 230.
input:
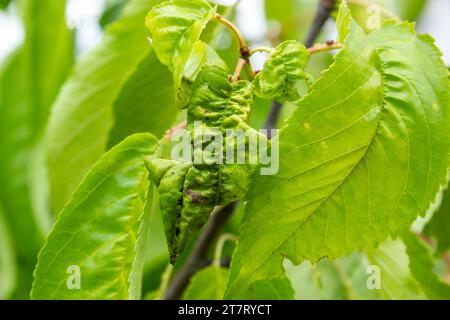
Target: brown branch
pixel 199 252
pixel 324 11
pixel 272 117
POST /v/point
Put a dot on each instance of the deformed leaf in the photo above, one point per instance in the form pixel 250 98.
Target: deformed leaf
pixel 202 55
pixel 175 27
pixel 190 190
pixel 94 244
pixel 282 72
pixel 365 153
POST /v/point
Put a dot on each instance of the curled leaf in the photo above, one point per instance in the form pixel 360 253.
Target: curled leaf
pixel 175 27
pixel 282 72
pixel 188 190
pixel 202 55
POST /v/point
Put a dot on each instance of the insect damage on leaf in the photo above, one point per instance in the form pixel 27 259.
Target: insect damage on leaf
pixel 189 191
pixel 283 72
pixel 175 27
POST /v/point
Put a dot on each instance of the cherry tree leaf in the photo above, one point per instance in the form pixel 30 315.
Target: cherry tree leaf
pixel 396 279
pixel 439 225
pixel 208 284
pixel 282 72
pixel 98 235
pixel 175 27
pixel 421 264
pixel 146 102
pixel 82 116
pixel 364 154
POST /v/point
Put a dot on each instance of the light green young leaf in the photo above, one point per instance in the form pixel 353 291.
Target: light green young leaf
pixel 282 72
pixel 362 156
pixel 202 55
pixel 342 279
pixel 208 284
pixel 396 280
pixel 175 27
pixel 439 225
pixel 146 102
pixel 421 264
pixel 343 21
pixel 96 238
pixel 82 116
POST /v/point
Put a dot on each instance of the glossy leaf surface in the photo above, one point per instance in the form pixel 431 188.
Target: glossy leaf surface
pixel 94 246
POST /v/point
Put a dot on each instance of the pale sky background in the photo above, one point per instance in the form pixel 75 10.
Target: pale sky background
pixel 83 15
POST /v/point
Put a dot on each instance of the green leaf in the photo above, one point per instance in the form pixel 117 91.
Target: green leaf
pixel 175 27
pixel 272 289
pixel 282 72
pixel 4 4
pixel 82 116
pixel 207 284
pixel 8 268
pixel 365 153
pixel 397 282
pixel 421 264
pixel 98 232
pixel 439 225
pixel 145 103
pixel 29 82
pixel 342 279
pixel 189 192
pixel 112 12
pixel 202 55
pixel 343 21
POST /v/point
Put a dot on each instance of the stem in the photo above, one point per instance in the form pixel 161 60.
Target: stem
pixel 243 48
pixel 219 247
pixel 325 47
pixel 199 252
pixel 272 117
pixel 366 3
pixel 261 49
pixel 172 131
pixel 237 72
